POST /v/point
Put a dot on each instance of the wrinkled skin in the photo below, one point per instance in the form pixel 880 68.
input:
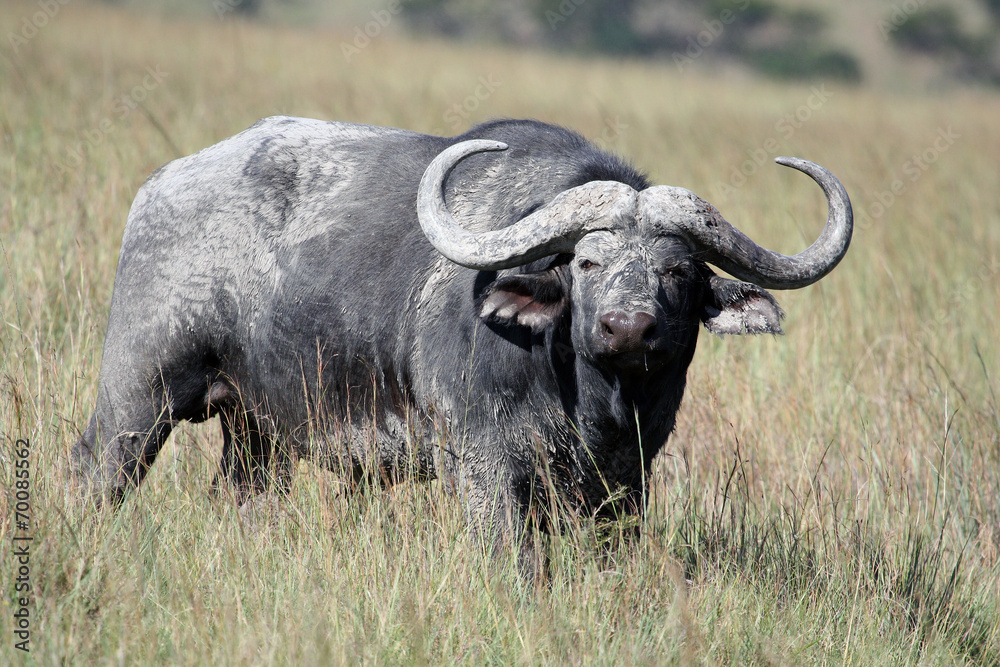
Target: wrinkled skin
pixel 279 280
pixel 633 274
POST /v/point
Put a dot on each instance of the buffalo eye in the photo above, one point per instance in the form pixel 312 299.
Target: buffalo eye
pixel 672 272
pixel 586 264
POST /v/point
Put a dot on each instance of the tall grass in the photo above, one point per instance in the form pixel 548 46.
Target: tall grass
pixel 832 495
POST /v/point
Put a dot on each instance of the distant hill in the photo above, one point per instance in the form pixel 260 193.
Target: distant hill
pixel 901 44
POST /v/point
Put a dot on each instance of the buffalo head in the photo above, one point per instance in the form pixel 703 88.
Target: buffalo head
pixel 636 282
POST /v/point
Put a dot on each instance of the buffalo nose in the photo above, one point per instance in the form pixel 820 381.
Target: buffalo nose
pixel 627 332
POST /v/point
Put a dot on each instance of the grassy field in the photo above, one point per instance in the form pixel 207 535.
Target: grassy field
pixel 830 496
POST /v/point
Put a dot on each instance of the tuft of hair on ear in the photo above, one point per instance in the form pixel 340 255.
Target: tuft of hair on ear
pixel 533 300
pixel 737 308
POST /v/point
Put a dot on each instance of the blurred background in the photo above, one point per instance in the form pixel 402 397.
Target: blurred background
pixel 896 44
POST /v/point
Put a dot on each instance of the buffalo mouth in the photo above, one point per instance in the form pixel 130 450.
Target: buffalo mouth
pixel 634 361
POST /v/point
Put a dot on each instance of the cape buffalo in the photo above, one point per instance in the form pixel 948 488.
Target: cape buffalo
pixel 512 311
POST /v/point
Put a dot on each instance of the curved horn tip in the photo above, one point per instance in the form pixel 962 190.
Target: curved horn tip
pixel 818 172
pixel 485 145
pixel 793 162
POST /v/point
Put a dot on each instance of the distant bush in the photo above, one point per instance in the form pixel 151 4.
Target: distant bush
pixel 932 30
pixel 605 26
pixel 937 32
pixel 787 44
pixel 802 62
pixel 993 7
pixel 777 41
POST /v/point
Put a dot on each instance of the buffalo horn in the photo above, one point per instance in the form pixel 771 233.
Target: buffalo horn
pixel 555 228
pixel 678 211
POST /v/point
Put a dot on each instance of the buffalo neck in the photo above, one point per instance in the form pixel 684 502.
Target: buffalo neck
pixel 617 416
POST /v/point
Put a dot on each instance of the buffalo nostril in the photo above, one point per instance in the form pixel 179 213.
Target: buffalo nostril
pixel 613 327
pixel 645 324
pixel 627 332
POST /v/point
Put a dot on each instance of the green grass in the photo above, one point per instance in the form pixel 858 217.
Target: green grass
pixel 830 496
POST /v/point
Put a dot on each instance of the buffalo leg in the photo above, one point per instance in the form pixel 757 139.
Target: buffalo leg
pixel 501 519
pixel 250 460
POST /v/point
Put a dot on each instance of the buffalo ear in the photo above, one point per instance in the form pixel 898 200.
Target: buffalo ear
pixel 534 300
pixel 734 307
